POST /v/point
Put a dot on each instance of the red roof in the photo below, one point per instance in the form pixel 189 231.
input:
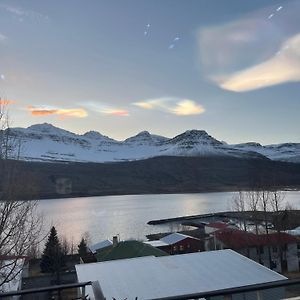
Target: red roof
pixel 237 239
pixel 219 225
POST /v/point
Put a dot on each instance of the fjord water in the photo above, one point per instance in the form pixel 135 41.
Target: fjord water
pixel 105 216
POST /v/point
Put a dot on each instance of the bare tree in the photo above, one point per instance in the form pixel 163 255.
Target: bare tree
pixel 66 246
pixel 280 219
pixel 265 204
pixel 239 204
pixel 253 205
pixel 20 223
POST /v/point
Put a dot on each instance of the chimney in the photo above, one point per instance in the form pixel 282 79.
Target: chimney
pixel 115 241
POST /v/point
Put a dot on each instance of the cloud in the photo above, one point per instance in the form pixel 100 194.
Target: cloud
pixel 106 109
pixel 176 106
pixel 282 67
pixel 115 112
pixel 188 107
pixel 254 51
pixel 4 102
pixel 61 112
pixel 2 37
pixel 21 13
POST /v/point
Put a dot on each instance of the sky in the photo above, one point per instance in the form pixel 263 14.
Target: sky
pixel 230 67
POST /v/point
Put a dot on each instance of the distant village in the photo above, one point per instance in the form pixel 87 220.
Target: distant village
pixel 219 253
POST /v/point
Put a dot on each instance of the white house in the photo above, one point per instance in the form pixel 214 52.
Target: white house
pixel 11 269
pixel 168 276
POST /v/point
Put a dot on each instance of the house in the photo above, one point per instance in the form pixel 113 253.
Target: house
pixel 100 245
pixel 177 275
pixel 283 247
pixel 127 249
pixel 12 269
pixel 214 226
pixel 178 243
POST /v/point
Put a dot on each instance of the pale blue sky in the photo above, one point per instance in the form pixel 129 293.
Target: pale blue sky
pixel 232 69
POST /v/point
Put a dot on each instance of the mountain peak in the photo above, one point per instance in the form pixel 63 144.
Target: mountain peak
pixel 95 135
pixel 48 128
pixel 144 133
pixel 195 136
pixel 145 137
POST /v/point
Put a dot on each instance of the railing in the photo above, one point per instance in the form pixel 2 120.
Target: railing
pixel 227 293
pixel 58 288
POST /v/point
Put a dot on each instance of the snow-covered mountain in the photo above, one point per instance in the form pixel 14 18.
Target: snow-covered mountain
pixel 289 152
pixel 45 142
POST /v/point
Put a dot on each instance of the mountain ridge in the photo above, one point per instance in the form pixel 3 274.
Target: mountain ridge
pixel 45 142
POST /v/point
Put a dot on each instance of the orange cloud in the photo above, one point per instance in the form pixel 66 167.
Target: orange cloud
pixel 7 102
pixel 116 112
pixel 176 106
pixel 73 112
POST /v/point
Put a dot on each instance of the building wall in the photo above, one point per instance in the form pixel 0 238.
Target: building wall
pixel 187 245
pixel 260 254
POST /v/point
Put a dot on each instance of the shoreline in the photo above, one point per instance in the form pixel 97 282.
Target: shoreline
pixel 58 196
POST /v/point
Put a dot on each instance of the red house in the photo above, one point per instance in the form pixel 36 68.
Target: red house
pixel 177 243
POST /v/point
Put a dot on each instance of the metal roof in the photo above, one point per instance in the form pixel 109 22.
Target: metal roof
pixel 156 243
pixel 100 245
pixel 175 237
pixel 238 239
pixel 157 277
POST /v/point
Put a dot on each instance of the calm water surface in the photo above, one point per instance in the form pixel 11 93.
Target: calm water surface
pixel 127 216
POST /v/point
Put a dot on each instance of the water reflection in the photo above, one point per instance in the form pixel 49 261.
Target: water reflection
pixel 106 216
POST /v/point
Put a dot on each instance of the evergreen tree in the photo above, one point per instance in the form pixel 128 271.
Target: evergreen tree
pixel 52 258
pixel 82 248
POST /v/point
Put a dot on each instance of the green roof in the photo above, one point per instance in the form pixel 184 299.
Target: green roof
pixel 128 249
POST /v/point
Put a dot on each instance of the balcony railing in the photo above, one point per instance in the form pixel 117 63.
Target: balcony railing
pixel 255 289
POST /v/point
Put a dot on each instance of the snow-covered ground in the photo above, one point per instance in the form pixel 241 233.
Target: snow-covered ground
pixel 44 142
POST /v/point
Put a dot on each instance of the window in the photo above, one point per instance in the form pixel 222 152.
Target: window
pixel 175 248
pixel 275 249
pixel 261 249
pixel 181 247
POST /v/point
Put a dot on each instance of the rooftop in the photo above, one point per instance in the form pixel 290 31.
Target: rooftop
pixel 218 225
pixel 100 245
pixel 237 239
pixel 174 238
pixel 166 276
pixel 128 249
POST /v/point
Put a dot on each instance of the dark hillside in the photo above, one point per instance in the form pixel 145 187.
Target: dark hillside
pixel 157 175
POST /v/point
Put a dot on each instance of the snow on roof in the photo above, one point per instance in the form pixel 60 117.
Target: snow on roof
pixel 174 238
pixel 156 277
pixel 295 232
pixel 100 245
pixel 13 266
pixel 157 243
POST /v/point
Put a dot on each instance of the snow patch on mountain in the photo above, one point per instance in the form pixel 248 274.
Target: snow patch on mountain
pixel 45 142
